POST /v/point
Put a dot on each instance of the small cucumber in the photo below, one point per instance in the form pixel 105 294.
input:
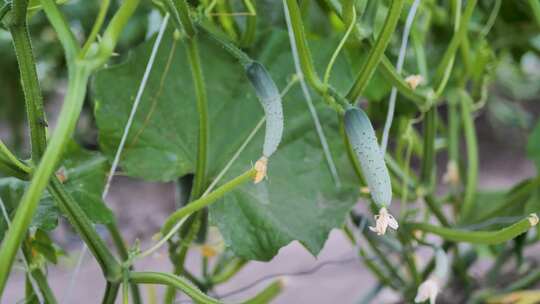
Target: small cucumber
pixel 364 143
pixel 270 99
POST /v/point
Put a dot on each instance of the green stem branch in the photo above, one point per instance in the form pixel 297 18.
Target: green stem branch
pixel 377 52
pixel 477 237
pixel 206 200
pixel 27 207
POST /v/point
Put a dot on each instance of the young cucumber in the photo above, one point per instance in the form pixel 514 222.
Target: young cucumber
pixel 270 99
pixel 364 143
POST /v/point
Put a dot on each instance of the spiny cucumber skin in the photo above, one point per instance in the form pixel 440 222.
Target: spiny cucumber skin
pixel 270 99
pixel 364 143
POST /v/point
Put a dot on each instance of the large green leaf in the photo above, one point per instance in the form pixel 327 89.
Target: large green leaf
pixel 298 202
pixel 85 178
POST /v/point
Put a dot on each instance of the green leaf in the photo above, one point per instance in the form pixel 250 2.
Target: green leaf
pixel 298 202
pixel 533 146
pixel 85 178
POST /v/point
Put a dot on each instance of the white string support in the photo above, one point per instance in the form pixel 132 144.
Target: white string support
pixel 127 127
pixel 399 68
pixel 309 102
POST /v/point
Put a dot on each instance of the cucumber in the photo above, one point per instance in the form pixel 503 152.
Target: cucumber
pixel 364 143
pixel 270 98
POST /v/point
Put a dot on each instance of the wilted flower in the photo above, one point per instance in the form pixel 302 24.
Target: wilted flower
pixel 260 167
pixel 414 80
pixel 382 221
pixel 428 290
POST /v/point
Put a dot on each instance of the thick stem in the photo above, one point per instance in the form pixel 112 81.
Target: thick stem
pixel 31 88
pixel 82 224
pixel 27 207
pixel 111 293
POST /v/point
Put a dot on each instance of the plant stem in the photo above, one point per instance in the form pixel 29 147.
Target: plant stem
pixel 535 8
pixel 267 294
pixel 112 33
pixel 330 65
pixel 389 72
pixel 124 256
pixel 476 237
pixel 67 121
pixel 377 52
pixel 11 160
pixel 102 13
pixel 433 205
pixel 248 37
pixel 202 109
pixel 428 159
pixel 228 271
pixel 60 25
pixel 399 67
pixel 32 92
pixel 453 138
pixel 445 66
pixel 182 9
pixel 207 200
pixel 174 281
pixel 292 13
pixel 111 293
pixel 472 154
pixel 208 29
pixel 382 256
pixel 180 258
pixel 44 287
pixel 82 224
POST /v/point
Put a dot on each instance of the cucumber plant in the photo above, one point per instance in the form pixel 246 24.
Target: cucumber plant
pixel 177 92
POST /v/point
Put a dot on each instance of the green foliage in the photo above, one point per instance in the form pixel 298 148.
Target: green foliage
pixel 198 120
pixel 84 174
pixel 160 148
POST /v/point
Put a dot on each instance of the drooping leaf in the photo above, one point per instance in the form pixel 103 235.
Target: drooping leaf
pixel 298 202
